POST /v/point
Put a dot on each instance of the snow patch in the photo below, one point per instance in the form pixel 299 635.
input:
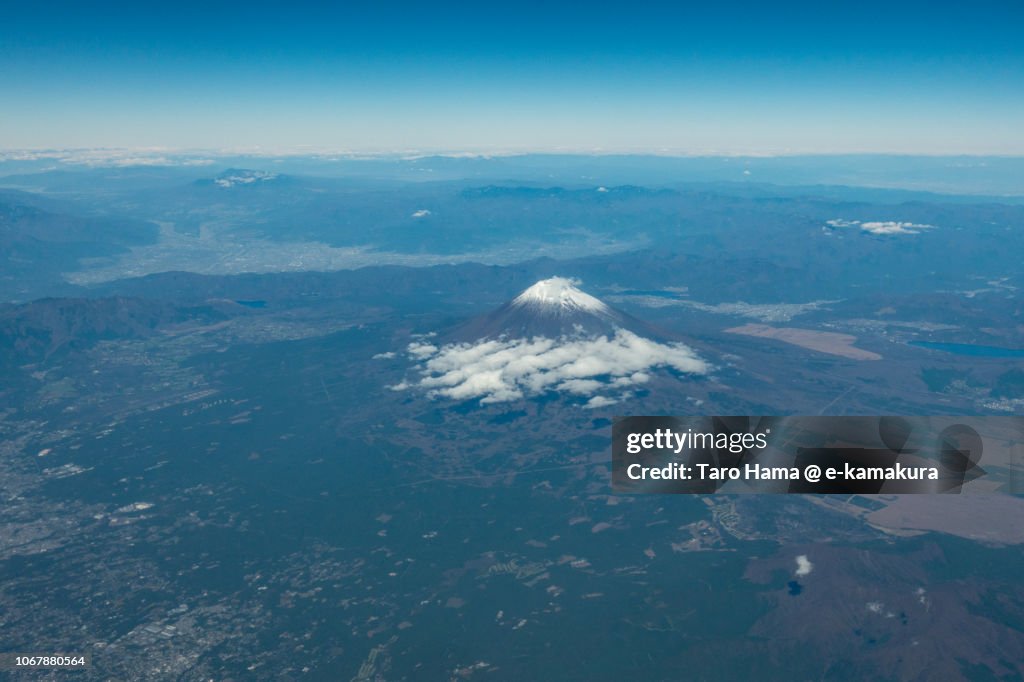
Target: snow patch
pixel 883 227
pixel 230 179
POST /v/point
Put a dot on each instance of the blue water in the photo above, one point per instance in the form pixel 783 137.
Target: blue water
pixel 971 349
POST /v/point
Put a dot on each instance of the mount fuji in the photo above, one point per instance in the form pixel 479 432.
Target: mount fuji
pixel 554 308
pixel 553 337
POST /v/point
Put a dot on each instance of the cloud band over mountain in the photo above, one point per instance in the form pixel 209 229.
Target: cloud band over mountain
pixel 501 370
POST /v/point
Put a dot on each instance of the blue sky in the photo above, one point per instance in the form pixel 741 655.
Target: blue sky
pixel 742 77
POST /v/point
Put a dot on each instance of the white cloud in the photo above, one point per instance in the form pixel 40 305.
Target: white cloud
pixel 421 350
pixel 881 227
pixel 803 566
pixel 384 356
pixel 422 213
pixel 580 386
pixel 500 370
pixel 109 158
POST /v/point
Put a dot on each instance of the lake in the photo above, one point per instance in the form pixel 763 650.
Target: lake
pixel 971 349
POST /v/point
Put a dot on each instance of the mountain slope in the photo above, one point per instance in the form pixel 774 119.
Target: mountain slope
pixel 554 308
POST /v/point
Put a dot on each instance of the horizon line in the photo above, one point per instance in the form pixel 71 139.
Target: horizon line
pixel 69 154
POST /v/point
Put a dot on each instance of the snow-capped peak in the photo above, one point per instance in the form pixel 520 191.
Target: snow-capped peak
pixel 232 177
pixel 561 293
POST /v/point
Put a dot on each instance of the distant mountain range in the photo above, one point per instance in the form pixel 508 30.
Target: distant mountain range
pixel 38 330
pixel 39 241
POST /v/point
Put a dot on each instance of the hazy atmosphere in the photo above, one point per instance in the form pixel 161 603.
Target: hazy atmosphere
pixel 512 341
